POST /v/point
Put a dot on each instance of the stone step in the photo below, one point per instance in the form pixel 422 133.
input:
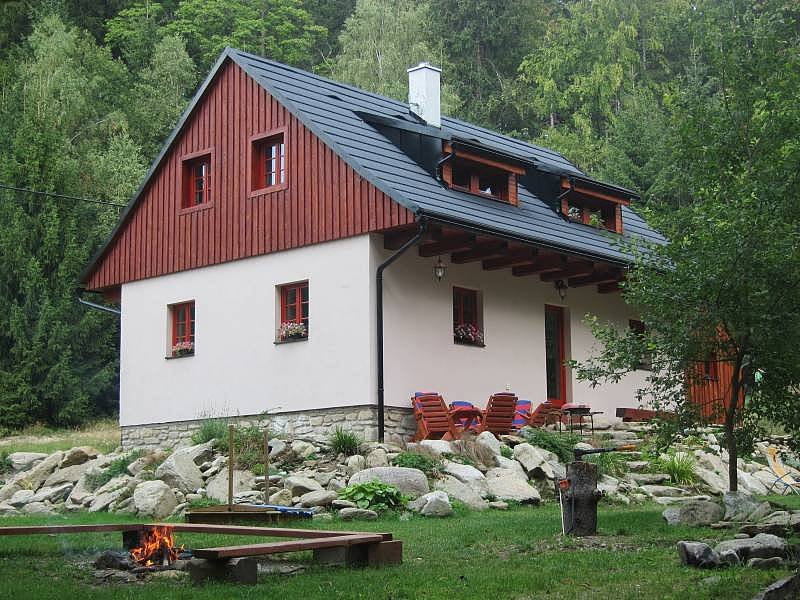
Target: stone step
pixel 637 466
pixel 648 478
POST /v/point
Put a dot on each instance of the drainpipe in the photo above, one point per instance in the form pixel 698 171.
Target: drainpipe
pixel 96 306
pixel 440 163
pixel 379 313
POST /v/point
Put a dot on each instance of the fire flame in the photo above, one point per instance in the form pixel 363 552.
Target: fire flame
pixel 157 547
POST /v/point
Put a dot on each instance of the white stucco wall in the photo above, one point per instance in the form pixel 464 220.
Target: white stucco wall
pixel 421 355
pixel 237 369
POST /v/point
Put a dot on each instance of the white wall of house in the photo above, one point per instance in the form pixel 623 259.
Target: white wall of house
pixel 421 354
pixel 237 369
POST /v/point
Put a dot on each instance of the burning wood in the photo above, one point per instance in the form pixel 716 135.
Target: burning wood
pixel 156 547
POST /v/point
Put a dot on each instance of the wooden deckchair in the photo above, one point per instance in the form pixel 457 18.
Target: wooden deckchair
pixel 499 414
pixel 433 419
pixel 545 413
pixel 783 478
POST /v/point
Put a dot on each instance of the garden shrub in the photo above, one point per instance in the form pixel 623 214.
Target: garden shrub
pixel 117 467
pixel 609 463
pixel 248 445
pixel 678 465
pixel 413 460
pixel 559 443
pixel 210 430
pixel 345 442
pixel 373 495
pixel 506 451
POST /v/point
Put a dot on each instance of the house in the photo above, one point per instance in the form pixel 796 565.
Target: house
pixel 307 249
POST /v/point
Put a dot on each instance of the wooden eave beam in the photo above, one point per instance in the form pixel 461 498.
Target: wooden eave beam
pixel 480 251
pixel 448 243
pixel 609 288
pixel 477 158
pixel 541 264
pixel 598 278
pixel 573 269
pixel 514 257
pixel 565 185
pixel 394 239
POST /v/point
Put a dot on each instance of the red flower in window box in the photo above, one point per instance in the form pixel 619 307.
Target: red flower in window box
pixel 468 334
pixel 290 330
pixel 183 349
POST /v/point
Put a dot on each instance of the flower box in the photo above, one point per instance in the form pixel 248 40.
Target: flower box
pixel 183 349
pixel 290 330
pixel 468 335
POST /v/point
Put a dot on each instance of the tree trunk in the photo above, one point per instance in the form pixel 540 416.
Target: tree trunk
pixel 579 504
pixel 730 424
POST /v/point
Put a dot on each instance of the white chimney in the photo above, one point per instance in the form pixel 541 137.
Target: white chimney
pixel 424 93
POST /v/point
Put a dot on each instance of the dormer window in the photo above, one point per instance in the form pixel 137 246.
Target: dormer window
pixel 475 174
pixel 582 204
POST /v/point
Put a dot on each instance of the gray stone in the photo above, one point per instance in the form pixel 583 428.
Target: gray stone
pixel 693 514
pixel 197 453
pixel 715 483
pixel 304 449
pixel 787 588
pixel 761 512
pixel 465 473
pixel 432 504
pixel 510 487
pixel 461 492
pixel 318 498
pixel 34 478
pixel 663 491
pixel 38 508
pixel 52 494
pixel 498 505
pixel 6 510
pixel 637 466
pixel 765 563
pixel 698 554
pixel 739 505
pixel 21 498
pixel 339 503
pixel 154 499
pixel 668 501
pixel 336 484
pixel 508 465
pixel 217 486
pixel 179 471
pixel 69 474
pixel 77 456
pixel 411 482
pixel 533 460
pixel 82 490
pixel 281 498
pixel 298 485
pixel 647 478
pixel 436 447
pixel 488 441
pixel 748 483
pixel 357 514
pixel 377 458
pixel 111 492
pixel 355 463
pixel 762 545
pixel 21 461
pixel 277 447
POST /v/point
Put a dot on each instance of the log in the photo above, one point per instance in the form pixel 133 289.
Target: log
pixel 579 501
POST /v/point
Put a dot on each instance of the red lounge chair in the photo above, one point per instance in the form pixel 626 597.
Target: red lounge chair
pixel 522 414
pixel 433 418
pixel 499 414
pixel 466 416
pixel 545 413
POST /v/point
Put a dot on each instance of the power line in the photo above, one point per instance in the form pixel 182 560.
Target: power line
pixel 64 196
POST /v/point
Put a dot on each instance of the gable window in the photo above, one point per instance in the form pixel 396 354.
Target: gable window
pixel 196 181
pixel 268 163
pixel 646 359
pixel 182 326
pixel 294 312
pixel 475 174
pixel 467 318
pixel 590 207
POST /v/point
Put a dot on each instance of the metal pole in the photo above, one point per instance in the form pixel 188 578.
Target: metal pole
pixel 231 456
pixel 266 465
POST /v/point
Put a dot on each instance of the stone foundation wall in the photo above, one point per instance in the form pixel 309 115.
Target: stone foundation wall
pixel 312 425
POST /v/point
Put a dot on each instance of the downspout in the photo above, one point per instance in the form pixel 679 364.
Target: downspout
pixel 440 163
pixel 96 306
pixel 379 313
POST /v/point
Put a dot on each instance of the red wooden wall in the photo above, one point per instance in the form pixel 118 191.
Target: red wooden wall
pixel 324 200
pixel 712 394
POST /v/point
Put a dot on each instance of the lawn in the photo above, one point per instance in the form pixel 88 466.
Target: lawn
pixel 516 554
pixel 102 435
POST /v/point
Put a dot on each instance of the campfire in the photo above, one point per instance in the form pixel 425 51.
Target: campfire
pixel 156 548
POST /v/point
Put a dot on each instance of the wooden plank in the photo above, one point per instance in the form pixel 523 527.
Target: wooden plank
pixel 600 277
pixel 515 257
pixel 482 250
pixel 448 243
pixel 290 546
pixel 540 265
pixel 55 529
pixel 574 269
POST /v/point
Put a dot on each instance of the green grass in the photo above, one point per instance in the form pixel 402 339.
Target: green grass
pixel 101 435
pixel 518 554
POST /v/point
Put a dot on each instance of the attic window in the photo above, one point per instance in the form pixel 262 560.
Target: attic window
pixel 268 169
pixel 469 172
pixel 196 181
pixel 593 208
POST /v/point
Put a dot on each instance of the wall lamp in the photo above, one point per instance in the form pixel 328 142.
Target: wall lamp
pixel 561 288
pixel 439 270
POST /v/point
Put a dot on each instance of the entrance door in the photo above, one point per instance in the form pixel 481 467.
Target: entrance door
pixel 555 354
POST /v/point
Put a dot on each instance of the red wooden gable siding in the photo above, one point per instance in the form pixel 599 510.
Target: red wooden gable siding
pixel 712 395
pixel 325 199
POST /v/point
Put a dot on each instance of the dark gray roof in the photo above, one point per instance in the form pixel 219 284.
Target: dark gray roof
pixel 339 114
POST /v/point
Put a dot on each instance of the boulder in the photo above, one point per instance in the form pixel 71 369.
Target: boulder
pixel 693 514
pixel 668 501
pixel 357 514
pixel 82 490
pixel 765 563
pixel 748 483
pixel 298 485
pixel 21 461
pixel 77 456
pixel 608 485
pixel 6 510
pixel 34 478
pixel 217 486
pixel 715 483
pixel 198 453
pixel 111 492
pixel 318 498
pixel 53 494
pixel 698 554
pixel 533 460
pixel 465 473
pixel 498 505
pixel 764 509
pixel 277 447
pixel 488 441
pixel 154 499
pixel 355 463
pixel 647 478
pixel 436 447
pixel 508 464
pixel 304 449
pixel 461 492
pixel 179 471
pixel 432 504
pixel 510 487
pixel 376 458
pixel 339 503
pixel 336 484
pixel 762 545
pixel 281 498
pixel 411 482
pixel 21 498
pixel 663 491
pixel 38 508
pixel 739 505
pixel 69 474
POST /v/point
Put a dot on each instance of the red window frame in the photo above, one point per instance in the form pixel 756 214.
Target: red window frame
pixel 196 186
pixel 558 313
pixel 269 168
pixel 465 307
pixel 295 304
pixel 182 317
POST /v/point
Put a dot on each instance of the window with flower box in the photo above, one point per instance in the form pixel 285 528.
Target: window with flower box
pixel 196 181
pixel 467 318
pixel 294 312
pixel 182 326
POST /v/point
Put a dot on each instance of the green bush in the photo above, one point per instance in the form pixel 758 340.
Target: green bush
pixel 559 443
pixel 678 465
pixel 506 451
pixel 412 460
pixel 609 463
pixel 345 442
pixel 211 429
pixel 248 445
pixel 374 495
pixel 116 468
pixel 5 462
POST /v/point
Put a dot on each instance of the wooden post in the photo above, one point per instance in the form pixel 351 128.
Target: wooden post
pixel 231 457
pixel 579 501
pixel 266 465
